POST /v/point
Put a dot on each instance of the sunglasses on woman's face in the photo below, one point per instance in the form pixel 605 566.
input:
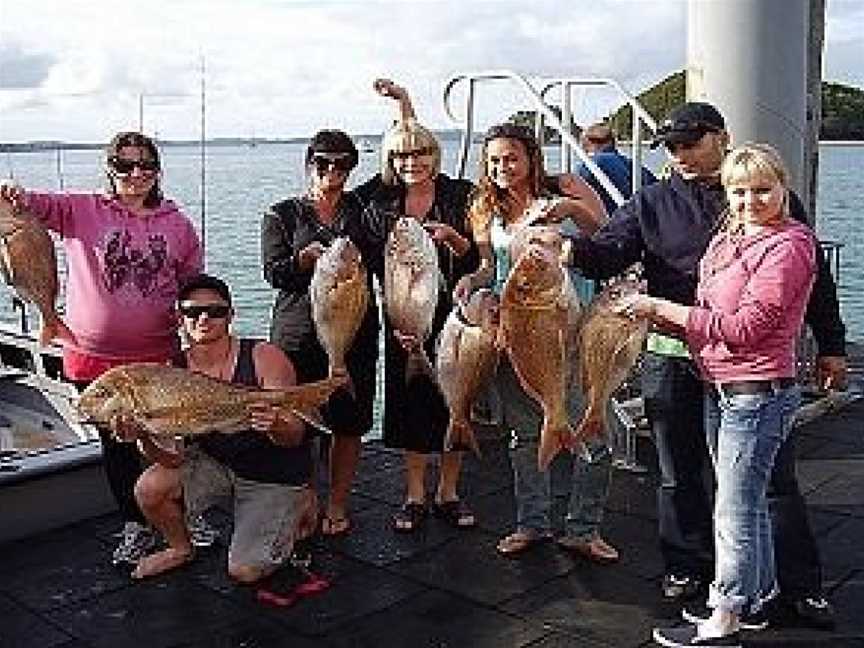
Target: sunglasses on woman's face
pixel 213 311
pixel 340 162
pixel 123 166
pixel 415 153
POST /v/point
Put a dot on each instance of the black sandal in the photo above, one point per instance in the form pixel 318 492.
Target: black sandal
pixel 456 513
pixel 410 517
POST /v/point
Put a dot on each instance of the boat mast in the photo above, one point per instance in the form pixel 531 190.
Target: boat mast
pixel 203 166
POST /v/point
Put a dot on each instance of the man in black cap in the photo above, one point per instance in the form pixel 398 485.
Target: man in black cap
pixel 666 227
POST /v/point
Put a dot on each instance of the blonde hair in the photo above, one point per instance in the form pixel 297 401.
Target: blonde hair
pixel 407 135
pixel 489 198
pixel 754 162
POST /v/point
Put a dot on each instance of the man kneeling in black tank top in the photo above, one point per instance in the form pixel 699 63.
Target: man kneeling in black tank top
pixel 264 470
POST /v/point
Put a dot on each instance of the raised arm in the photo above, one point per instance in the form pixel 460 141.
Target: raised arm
pixel 387 88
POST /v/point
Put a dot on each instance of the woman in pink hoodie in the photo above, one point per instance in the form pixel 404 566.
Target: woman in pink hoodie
pixel 754 283
pixel 127 251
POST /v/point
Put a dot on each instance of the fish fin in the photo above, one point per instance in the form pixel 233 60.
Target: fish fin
pixel 593 422
pixel 306 397
pixel 461 437
pixel 315 422
pixel 551 443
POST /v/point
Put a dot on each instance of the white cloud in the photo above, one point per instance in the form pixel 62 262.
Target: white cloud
pixel 285 68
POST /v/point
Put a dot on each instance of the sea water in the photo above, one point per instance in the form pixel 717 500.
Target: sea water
pixel 242 181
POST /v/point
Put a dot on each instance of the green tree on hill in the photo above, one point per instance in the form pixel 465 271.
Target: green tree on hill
pixel 842 109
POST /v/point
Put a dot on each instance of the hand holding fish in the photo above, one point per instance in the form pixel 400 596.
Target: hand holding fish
pixel 307 257
pixel 443 233
pixel 264 417
pixel 13 194
pixel 462 291
pixel 831 372
pixel 126 428
pixel 636 305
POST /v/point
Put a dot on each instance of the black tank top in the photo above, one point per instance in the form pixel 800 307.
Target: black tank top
pixel 250 454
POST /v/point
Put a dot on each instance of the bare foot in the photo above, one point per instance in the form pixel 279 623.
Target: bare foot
pixel 161 561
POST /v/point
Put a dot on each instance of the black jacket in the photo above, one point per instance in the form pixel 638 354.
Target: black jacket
pixel 667 226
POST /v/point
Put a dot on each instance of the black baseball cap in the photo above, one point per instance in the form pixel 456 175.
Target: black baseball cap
pixel 688 123
pixel 204 282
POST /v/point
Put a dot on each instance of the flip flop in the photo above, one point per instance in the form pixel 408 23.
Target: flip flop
pixel 410 517
pixel 335 526
pixel 519 542
pixel 456 513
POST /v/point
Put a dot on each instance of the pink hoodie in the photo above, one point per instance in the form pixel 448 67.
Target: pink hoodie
pixel 123 271
pixel 750 304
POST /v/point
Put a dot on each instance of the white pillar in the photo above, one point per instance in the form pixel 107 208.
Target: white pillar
pixel 749 58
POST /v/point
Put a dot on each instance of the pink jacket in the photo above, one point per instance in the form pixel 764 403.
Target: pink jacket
pixel 750 304
pixel 123 271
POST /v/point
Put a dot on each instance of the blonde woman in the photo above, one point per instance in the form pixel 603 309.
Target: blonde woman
pixel 755 281
pixel 415 415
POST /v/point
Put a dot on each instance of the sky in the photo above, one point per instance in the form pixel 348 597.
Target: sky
pixel 76 70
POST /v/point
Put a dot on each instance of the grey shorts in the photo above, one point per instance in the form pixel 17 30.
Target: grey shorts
pixel 267 517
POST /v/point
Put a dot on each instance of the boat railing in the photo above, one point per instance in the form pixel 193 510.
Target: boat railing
pixel 562 123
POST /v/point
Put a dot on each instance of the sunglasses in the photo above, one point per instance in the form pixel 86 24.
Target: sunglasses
pixel 213 311
pixel 338 162
pixel 416 153
pixel 125 167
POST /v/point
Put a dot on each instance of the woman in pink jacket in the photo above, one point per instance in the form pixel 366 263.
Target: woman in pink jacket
pixel 754 283
pixel 127 252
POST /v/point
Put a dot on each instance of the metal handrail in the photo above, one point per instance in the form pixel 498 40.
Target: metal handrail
pixel 639 116
pixel 569 142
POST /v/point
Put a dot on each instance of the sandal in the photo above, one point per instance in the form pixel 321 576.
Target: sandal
pixel 519 542
pixel 335 526
pixel 595 549
pixel 410 517
pixel 456 513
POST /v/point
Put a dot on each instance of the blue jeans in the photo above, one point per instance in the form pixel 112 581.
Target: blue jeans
pixel 744 433
pixel 568 498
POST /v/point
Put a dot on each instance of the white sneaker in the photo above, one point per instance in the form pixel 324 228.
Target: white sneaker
pixel 136 541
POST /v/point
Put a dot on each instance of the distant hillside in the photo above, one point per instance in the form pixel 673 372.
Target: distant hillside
pixel 842 109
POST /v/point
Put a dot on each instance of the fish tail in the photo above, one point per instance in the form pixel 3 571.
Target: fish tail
pixel 418 364
pixel 460 437
pixel 593 422
pixel 552 441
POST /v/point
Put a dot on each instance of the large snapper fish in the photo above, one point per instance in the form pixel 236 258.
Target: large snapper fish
pixel 609 345
pixel 536 316
pixel 170 401
pixel 411 281
pixel 465 360
pixel 340 297
pixel 28 263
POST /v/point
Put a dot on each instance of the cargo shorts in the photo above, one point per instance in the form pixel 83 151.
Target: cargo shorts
pixel 267 517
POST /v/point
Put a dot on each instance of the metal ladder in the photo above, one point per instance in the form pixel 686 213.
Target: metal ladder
pixel 569 145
